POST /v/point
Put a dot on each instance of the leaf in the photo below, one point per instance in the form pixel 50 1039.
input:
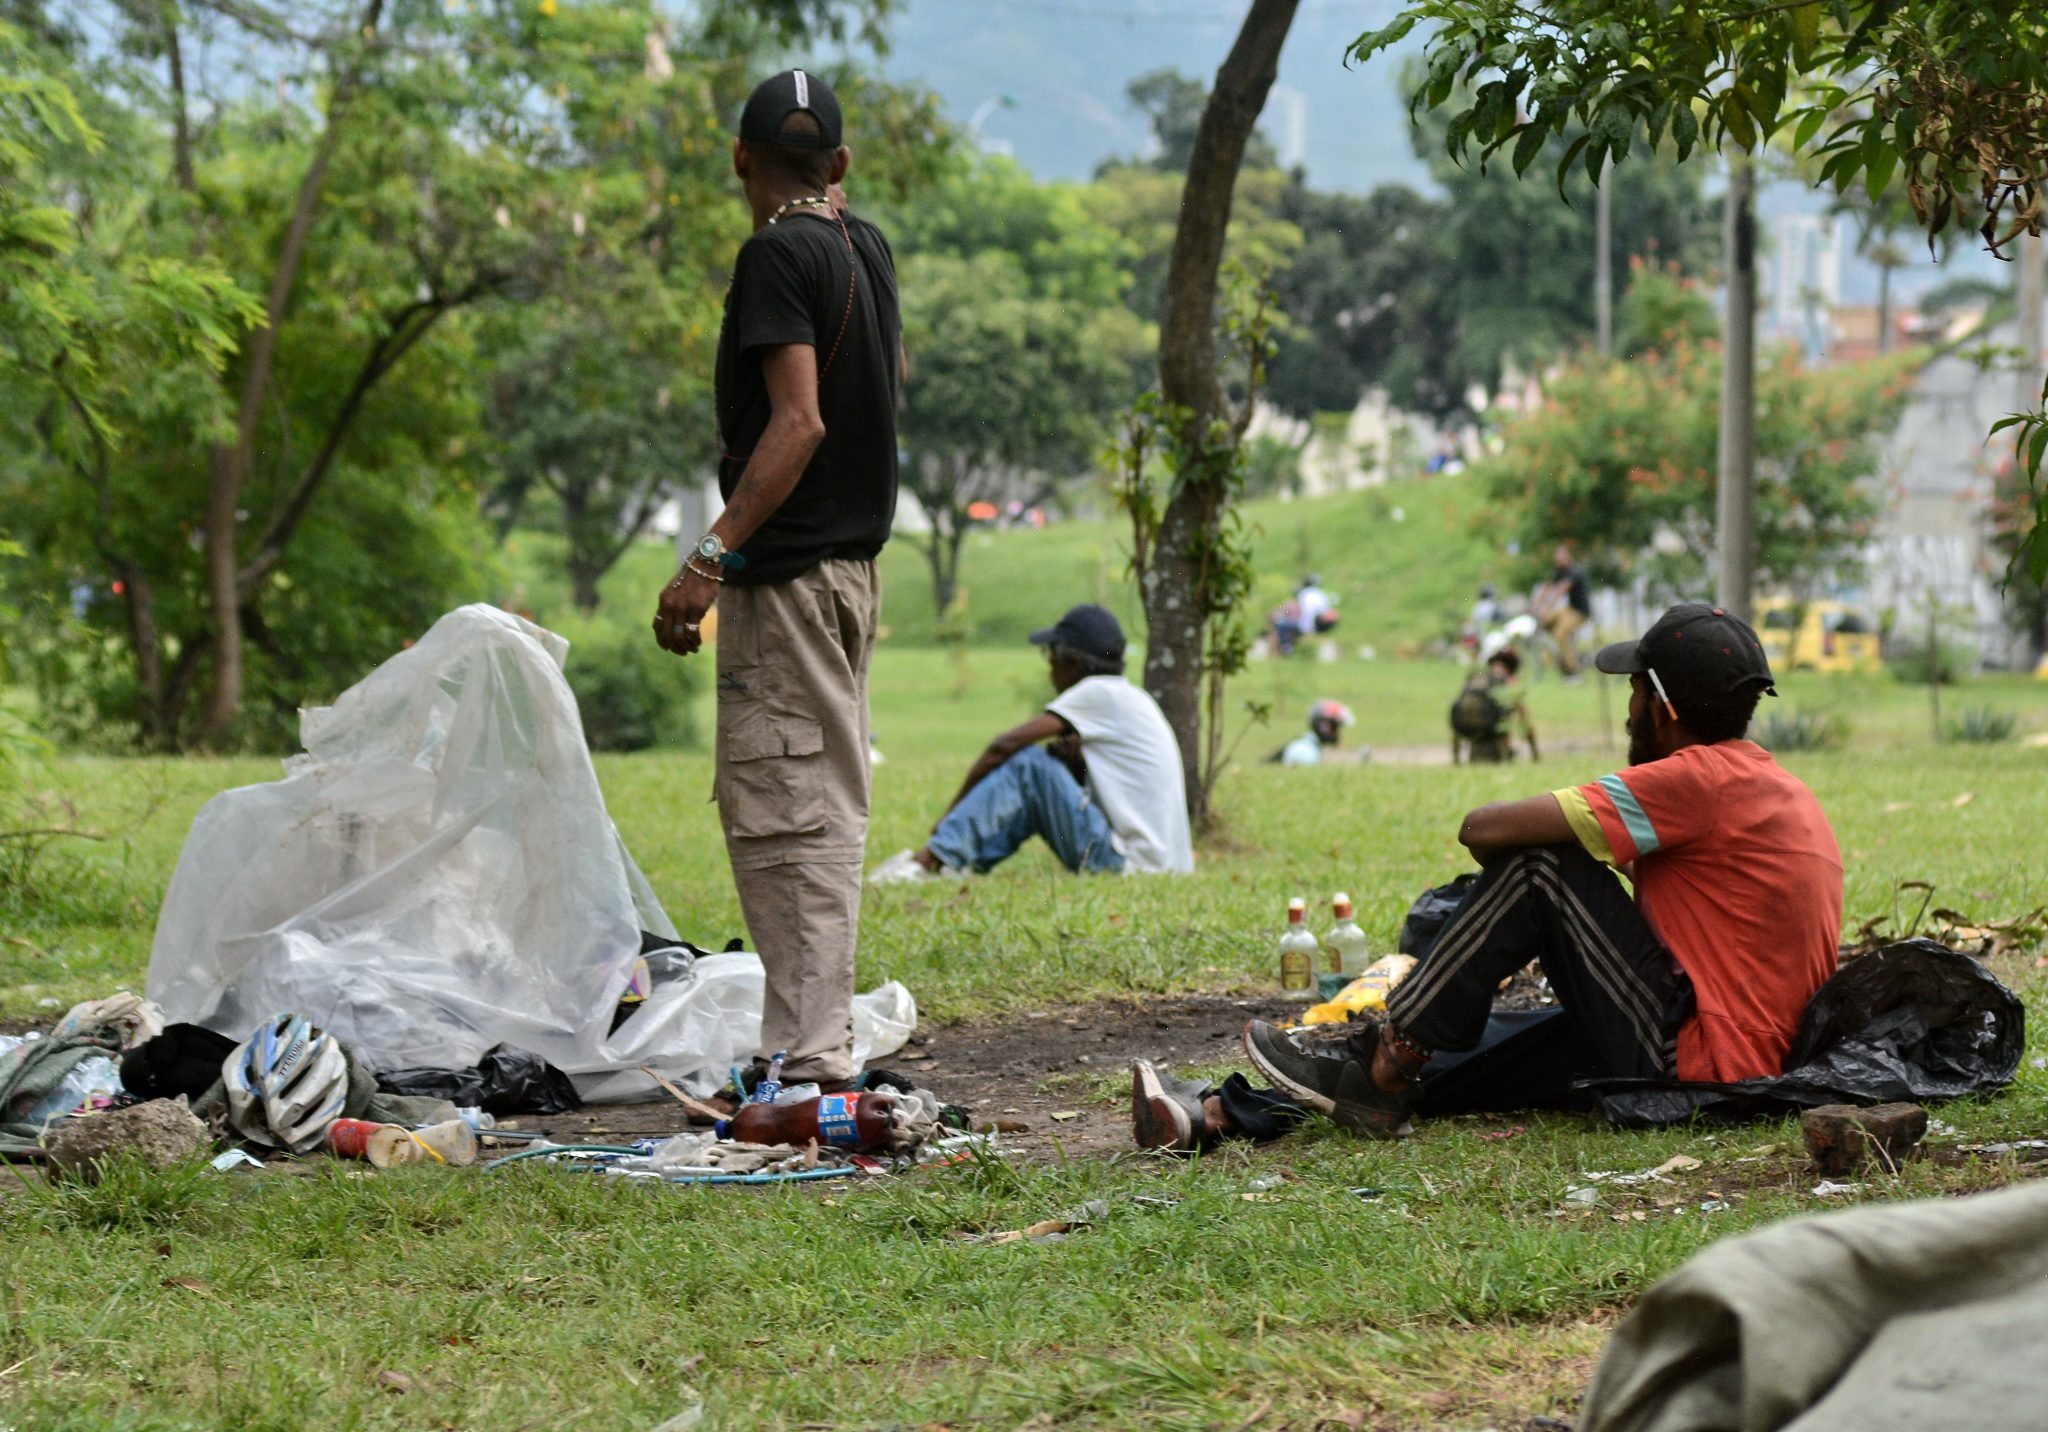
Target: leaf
pixel 1373 41
pixel 1685 128
pixel 1564 165
pixel 1528 144
pixel 1805 33
pixel 1879 172
pixel 1808 127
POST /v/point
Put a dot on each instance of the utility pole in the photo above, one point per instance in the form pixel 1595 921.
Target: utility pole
pixel 2028 393
pixel 1603 263
pixel 1735 508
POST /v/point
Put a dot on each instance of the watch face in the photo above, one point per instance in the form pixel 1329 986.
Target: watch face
pixel 709 546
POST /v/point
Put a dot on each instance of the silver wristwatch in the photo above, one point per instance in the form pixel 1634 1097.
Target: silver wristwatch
pixel 713 549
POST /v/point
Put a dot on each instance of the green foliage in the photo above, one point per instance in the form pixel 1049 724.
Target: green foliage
pixel 1796 730
pixel 631 694
pixel 1980 725
pixel 1915 661
pixel 124 1195
pixel 1620 460
pixel 1662 310
pixel 1947 95
pixel 1021 349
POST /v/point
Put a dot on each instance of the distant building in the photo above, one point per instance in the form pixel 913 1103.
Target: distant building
pixel 1934 538
pixel 1802 282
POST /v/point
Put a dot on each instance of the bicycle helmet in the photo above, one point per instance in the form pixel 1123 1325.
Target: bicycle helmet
pixel 1333 713
pixel 286 1083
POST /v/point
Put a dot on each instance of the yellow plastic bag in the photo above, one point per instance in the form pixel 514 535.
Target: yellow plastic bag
pixel 1366 994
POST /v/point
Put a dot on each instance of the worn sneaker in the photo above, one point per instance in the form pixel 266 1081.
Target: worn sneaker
pixel 1165 1113
pixel 902 868
pixel 1334 1078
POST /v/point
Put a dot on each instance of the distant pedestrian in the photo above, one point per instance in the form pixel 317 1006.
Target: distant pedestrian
pixel 1096 774
pixel 1489 703
pixel 809 364
pixel 1326 723
pixel 1563 604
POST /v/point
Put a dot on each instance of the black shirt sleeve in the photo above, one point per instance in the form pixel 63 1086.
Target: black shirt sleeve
pixel 772 297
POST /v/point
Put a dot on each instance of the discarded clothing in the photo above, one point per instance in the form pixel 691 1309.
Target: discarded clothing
pixel 185 1059
pixel 1914 1022
pixel 1431 911
pixel 1886 1319
pixel 504 1081
pixel 40 1080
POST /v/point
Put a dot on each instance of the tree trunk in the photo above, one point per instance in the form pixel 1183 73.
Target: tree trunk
pixel 228 463
pixel 1188 377
pixel 1884 309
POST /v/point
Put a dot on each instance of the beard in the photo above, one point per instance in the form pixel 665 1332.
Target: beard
pixel 1642 738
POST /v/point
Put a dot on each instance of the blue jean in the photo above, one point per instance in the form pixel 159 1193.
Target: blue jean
pixel 1032 793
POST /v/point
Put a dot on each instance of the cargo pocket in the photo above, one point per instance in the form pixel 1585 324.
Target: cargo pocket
pixel 773 777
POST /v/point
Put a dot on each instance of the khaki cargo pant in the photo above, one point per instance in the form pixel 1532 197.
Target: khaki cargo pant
pixel 792 792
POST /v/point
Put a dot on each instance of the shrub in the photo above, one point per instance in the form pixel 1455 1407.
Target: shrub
pixel 631 693
pixel 1802 731
pixel 1985 725
pixel 1916 663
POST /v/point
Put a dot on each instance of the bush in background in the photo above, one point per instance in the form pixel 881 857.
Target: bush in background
pixel 1802 731
pixel 1980 725
pixel 631 693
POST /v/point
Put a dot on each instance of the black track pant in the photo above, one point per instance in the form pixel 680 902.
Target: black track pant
pixel 1622 995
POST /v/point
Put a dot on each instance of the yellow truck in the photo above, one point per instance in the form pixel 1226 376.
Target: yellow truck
pixel 1818 635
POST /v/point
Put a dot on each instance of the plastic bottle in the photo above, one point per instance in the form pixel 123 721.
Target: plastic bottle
pixel 850 1121
pixel 1297 953
pixel 1344 948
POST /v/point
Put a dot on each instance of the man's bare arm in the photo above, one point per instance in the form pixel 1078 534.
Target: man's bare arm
pixel 786 447
pixel 1504 827
pixel 1042 727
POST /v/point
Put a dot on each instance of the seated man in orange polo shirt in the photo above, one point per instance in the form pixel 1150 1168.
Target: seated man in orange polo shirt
pixel 1703 975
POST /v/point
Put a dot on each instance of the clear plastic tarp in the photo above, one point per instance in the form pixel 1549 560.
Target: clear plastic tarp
pixel 438 874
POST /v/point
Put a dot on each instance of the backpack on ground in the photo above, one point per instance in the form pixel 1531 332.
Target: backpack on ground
pixel 1477 714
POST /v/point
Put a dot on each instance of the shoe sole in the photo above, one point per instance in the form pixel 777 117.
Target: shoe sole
pixel 1301 1094
pixel 1154 1113
pixel 1373 1123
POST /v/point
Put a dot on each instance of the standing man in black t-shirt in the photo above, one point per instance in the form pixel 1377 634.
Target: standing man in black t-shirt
pixel 1564 604
pixel 807 377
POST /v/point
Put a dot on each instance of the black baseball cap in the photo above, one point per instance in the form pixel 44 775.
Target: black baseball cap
pixel 1088 629
pixel 776 98
pixel 1698 652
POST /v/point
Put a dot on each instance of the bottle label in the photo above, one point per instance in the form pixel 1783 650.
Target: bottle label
pixel 836 1119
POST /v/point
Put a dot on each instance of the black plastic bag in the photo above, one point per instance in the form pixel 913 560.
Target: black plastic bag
pixel 1432 911
pixel 504 1081
pixel 183 1059
pixel 1914 1021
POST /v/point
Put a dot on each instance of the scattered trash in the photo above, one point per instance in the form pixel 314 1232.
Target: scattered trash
pixel 2038 1062
pixel 232 1158
pixel 1265 1183
pixel 1366 1193
pixel 1061 1116
pixel 688 1420
pixel 1827 1188
pixel 130 1017
pixel 1842 1138
pixel 1713 1205
pixel 504 1081
pixel 1431 911
pixel 1367 994
pixel 161 1133
pixel 452 1143
pixel 1582 1196
pixel 2009 1146
pixel 393 1381
pixel 1494 1136
pixel 1094 1211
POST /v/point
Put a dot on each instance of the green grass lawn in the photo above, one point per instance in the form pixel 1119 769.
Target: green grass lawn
pixel 1404 562
pixel 531 1299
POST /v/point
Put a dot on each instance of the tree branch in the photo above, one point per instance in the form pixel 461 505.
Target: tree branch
pixel 407 327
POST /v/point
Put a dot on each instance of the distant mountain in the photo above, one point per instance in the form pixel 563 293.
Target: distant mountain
pixel 1065 63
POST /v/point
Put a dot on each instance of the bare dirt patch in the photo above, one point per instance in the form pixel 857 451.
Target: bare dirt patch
pixel 1041 1073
